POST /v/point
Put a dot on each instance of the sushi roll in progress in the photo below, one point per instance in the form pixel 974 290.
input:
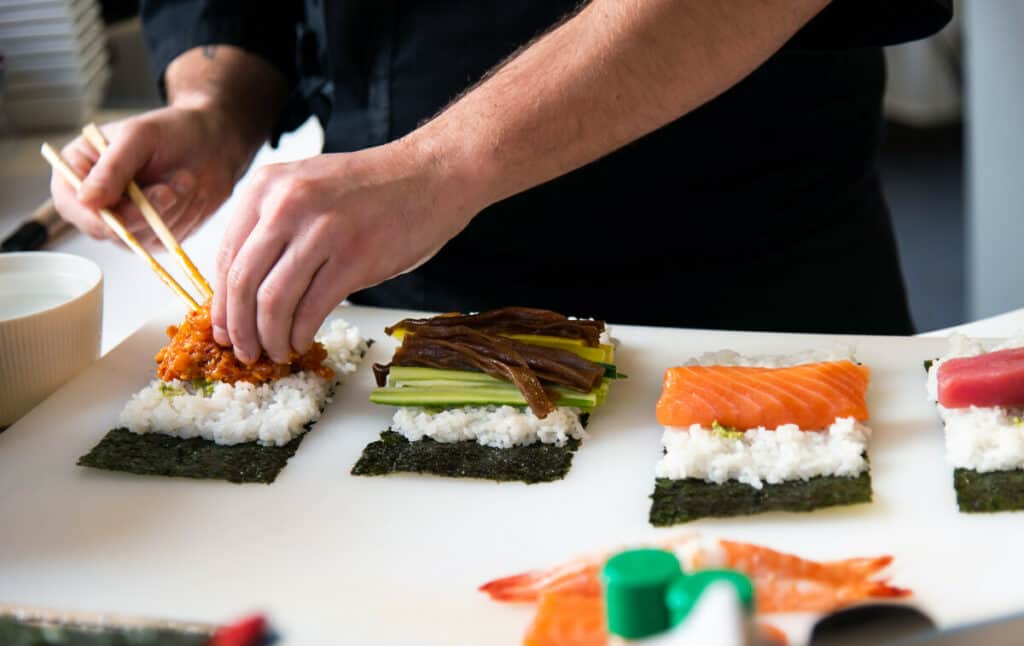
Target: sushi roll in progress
pixel 206 400
pixel 502 395
pixel 978 388
pixel 745 435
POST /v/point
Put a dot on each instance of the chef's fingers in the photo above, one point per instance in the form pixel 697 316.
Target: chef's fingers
pixel 328 288
pixel 260 251
pixel 239 227
pixel 119 163
pixel 171 200
pixel 65 199
pixel 280 292
pixel 194 216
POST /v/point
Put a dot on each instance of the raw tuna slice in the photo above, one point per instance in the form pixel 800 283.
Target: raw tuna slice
pixel 992 379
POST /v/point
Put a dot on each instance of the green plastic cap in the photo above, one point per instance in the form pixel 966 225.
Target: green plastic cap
pixel 635 584
pixel 684 593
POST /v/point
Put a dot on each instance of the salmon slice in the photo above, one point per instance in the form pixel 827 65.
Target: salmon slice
pixel 812 395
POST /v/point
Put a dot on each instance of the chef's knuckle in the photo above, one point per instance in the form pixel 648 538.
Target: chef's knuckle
pixel 270 297
pixel 237 278
pixel 321 229
pixel 263 178
pixel 301 189
pixel 139 130
pixel 277 205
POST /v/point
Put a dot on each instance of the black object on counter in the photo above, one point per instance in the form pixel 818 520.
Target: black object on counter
pixel 871 624
pixel 30 235
pixel 43 225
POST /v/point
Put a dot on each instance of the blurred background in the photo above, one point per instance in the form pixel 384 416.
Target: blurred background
pixel 955 110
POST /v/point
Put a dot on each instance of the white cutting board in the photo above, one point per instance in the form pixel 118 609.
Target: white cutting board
pixel 335 558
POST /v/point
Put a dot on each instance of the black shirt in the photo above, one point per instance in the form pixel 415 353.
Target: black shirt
pixel 760 210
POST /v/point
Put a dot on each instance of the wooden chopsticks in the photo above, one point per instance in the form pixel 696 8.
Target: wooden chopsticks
pixel 95 137
pixel 114 224
pixel 152 216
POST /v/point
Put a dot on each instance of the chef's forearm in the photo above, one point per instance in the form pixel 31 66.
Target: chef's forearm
pixel 241 92
pixel 616 71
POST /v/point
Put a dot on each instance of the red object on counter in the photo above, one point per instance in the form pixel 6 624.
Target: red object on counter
pixel 991 379
pixel 249 631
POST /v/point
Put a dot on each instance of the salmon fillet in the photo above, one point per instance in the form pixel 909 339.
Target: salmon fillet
pixel 811 396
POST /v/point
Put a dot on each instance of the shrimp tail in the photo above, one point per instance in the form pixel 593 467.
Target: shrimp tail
pixel 579 577
pixel 525 586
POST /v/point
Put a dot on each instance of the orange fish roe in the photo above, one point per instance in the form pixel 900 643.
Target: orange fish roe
pixel 193 354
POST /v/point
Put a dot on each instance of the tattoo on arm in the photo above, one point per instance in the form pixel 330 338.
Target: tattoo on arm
pixel 209 51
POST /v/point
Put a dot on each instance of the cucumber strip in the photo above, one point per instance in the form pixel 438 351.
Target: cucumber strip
pixel 419 376
pixel 416 396
pixel 415 373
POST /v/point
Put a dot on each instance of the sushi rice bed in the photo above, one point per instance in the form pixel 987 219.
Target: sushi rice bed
pixel 980 438
pixel 272 414
pixel 758 456
pixel 497 426
pixel 764 455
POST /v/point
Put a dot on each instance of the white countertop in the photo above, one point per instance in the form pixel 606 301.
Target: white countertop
pixel 133 295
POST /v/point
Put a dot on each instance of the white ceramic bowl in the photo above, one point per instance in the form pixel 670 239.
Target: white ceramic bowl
pixel 51 314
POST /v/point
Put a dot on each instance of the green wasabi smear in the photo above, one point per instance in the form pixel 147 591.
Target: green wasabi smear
pixel 1017 421
pixel 167 390
pixel 199 386
pixel 726 432
pixel 203 387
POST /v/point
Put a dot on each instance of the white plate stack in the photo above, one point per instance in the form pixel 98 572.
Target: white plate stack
pixel 56 62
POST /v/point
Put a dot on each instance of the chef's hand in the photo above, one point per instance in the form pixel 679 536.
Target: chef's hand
pixel 186 157
pixel 307 234
pixel 177 156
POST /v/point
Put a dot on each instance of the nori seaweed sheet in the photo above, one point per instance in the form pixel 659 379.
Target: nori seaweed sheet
pixel 166 455
pixel 680 501
pixel 988 492
pixel 17 633
pixel 533 463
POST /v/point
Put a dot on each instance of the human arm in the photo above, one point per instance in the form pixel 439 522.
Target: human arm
pixel 309 233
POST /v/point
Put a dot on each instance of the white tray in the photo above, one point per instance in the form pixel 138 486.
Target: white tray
pixel 339 559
